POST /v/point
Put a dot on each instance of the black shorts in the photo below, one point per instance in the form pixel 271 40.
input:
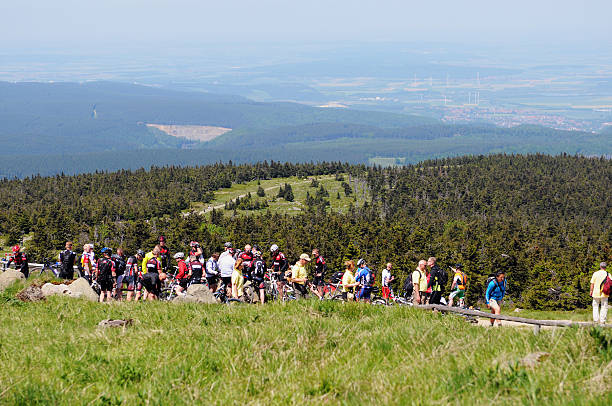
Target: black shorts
pixel 151 282
pixel 258 283
pixel 227 280
pixel 183 283
pixel 318 281
pixel 301 289
pixel 123 279
pixel 212 280
pixel 106 282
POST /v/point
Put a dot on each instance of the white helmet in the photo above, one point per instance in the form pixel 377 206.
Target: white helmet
pixel 179 255
pixel 274 248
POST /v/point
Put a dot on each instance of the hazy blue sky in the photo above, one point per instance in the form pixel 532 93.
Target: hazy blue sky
pixel 67 22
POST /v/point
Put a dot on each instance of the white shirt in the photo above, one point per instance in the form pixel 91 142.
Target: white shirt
pixel 386 275
pixel 226 265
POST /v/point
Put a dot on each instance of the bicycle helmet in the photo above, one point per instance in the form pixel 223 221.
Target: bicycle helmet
pixel 257 254
pixel 179 255
pixel 140 252
pixel 194 244
pixel 106 250
pixel 228 245
pixel 360 262
pixel 16 248
pixel 274 248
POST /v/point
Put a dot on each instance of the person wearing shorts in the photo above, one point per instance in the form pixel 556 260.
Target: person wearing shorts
pixel 386 281
pixel 364 277
pixel 130 275
pixel 458 287
pixel 495 294
pixel 226 267
pixel 238 279
pixel 106 275
pixel 258 274
pixel 212 271
pixel 151 279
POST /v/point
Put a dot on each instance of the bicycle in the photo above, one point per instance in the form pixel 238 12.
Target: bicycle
pixel 221 295
pixel 49 267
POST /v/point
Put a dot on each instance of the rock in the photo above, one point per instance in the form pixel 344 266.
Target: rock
pixel 8 277
pixel 49 289
pixel 185 299
pixel 81 286
pixel 75 295
pixel 31 294
pixel 201 293
pixel 115 323
pixel 533 359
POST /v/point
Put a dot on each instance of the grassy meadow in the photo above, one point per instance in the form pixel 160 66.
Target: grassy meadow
pixel 305 352
pixel 300 188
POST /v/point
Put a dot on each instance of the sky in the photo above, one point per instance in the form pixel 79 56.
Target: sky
pixel 67 23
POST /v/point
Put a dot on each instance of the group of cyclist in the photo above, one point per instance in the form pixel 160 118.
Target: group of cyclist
pixel 142 275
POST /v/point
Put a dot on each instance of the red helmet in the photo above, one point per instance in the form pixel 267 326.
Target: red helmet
pixel 16 248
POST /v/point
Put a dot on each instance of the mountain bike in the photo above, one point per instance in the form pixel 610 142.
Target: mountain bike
pixel 48 267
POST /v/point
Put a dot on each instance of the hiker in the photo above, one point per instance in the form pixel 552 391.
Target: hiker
pixel 600 299
pixel 496 290
pixel 419 283
pixel 458 286
pixel 437 281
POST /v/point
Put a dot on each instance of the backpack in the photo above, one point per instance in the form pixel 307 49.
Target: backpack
pixel 490 278
pixel 606 285
pixel 259 269
pixel 408 286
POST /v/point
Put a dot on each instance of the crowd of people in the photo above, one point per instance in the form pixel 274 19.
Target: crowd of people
pixel 142 274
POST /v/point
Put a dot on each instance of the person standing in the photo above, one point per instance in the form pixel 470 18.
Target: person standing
pixel 364 278
pixel 496 290
pixel 131 275
pixel 151 274
pixel 226 268
pixel 238 280
pixel 319 272
pixel 196 270
pixel 247 261
pixel 106 275
pixel 88 261
pixel 299 275
pixel 419 283
pixel 387 278
pixel 348 281
pixel 120 266
pixel 212 271
pixel 20 260
pixel 164 253
pixel 279 269
pixel 258 275
pixel 437 281
pixel 600 299
pixel 67 258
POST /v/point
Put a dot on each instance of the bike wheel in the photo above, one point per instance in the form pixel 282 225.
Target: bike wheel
pixel 167 294
pixel 379 302
pixel 338 297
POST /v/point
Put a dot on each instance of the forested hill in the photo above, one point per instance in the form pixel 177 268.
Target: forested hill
pixel 50 128
pixel 546 220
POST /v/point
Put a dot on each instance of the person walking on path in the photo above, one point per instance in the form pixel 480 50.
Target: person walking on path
pixel 600 299
pixel 496 290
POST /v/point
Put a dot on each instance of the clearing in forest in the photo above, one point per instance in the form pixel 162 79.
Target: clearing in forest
pixel 200 133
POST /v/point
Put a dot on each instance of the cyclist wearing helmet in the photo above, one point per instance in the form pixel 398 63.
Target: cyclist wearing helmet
pixel 106 274
pixel 120 265
pixel 212 271
pixel 20 260
pixel 458 286
pixel 279 267
pixel 196 270
pixel 319 273
pixel 364 277
pixel 131 275
pixel 164 253
pixel 151 271
pixel 183 273
pixel 258 275
pixel 66 259
pixel 195 249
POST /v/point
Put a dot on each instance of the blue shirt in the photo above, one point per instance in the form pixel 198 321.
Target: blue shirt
pixel 496 290
pixel 364 276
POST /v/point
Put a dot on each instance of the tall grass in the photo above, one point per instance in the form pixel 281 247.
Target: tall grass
pixel 306 352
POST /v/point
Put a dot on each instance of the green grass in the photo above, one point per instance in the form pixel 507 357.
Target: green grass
pixel 300 188
pixel 305 352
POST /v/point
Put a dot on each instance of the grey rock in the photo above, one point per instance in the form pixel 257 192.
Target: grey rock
pixel 82 286
pixel 115 323
pixel 8 277
pixel 49 289
pixel 201 293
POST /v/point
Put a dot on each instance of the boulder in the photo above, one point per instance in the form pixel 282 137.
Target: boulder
pixel 31 294
pixel 115 323
pixel 8 277
pixel 81 286
pixel 533 359
pixel 185 299
pixel 49 289
pixel 202 293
